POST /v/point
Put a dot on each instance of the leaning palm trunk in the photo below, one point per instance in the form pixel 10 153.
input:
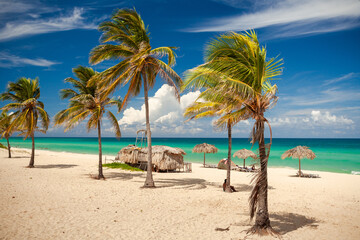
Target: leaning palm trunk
pixel 101 176
pixel 149 182
pixel 228 189
pixel 9 148
pixel 259 195
pixel 32 158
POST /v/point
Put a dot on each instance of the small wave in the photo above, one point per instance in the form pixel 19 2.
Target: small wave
pixel 355 173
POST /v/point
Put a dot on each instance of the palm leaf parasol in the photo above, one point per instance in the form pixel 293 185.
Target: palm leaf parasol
pixel 244 154
pixel 205 148
pixel 299 152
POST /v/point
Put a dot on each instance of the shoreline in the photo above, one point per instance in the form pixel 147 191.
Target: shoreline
pixel 113 156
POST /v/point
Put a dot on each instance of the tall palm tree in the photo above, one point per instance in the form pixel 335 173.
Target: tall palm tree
pixel 28 110
pixel 247 75
pixel 87 102
pixel 139 65
pixel 5 123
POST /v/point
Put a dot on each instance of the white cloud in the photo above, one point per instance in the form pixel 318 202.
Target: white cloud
pixel 8 61
pixel 348 76
pixel 314 118
pixel 17 29
pixel 327 118
pixel 292 17
pixel 166 113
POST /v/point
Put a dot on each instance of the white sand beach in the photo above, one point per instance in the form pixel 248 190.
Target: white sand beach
pixel 59 200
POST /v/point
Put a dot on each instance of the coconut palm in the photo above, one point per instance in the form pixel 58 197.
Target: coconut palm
pixel 209 104
pixel 87 102
pixel 139 65
pixel 5 123
pixel 246 75
pixel 28 110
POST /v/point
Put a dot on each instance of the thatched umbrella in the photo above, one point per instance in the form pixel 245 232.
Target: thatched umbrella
pixel 205 148
pixel 244 154
pixel 299 152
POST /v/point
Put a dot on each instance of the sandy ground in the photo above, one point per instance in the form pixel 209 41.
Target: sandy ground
pixel 59 200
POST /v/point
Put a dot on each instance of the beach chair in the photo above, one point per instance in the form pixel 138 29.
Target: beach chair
pixel 308 175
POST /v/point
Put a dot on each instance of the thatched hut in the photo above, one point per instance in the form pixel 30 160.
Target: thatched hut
pixel 299 152
pixel 205 148
pixel 223 164
pixel 163 157
pixel 244 154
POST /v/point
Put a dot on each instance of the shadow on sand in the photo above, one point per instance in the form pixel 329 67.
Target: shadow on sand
pixel 121 176
pixel 186 183
pixel 288 222
pixel 56 166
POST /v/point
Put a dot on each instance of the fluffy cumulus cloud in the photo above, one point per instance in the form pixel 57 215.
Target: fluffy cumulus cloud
pixel 315 118
pixel 166 114
pixel 327 118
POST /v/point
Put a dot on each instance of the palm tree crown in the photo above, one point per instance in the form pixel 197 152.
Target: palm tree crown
pixel 140 63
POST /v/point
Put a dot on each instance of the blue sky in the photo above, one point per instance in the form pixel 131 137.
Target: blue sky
pixel 319 41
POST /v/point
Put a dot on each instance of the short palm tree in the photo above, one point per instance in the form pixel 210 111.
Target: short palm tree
pixel 246 75
pixel 139 65
pixel 28 110
pixel 87 102
pixel 215 102
pixel 5 128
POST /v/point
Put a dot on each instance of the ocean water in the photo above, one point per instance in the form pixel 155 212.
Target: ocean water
pixel 332 155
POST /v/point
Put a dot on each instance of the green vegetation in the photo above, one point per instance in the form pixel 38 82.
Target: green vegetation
pixel 123 166
pixel 2 146
pixel 87 102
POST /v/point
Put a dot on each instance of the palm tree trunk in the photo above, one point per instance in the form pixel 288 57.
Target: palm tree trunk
pixel 299 168
pixel 32 159
pixel 149 182
pixel 204 159
pixel 9 148
pixel 244 163
pixel 262 221
pixel 101 176
pixel 228 188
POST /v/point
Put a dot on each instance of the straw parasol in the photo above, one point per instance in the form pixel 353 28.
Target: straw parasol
pixel 244 154
pixel 299 152
pixel 205 148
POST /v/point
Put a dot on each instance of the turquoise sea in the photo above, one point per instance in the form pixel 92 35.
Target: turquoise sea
pixel 333 155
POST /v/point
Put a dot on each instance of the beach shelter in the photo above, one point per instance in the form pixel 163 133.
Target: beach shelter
pixel 299 152
pixel 223 164
pixel 244 154
pixel 205 148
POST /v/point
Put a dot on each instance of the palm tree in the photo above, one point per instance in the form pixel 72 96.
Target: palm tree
pixel 214 102
pixel 246 75
pixel 87 102
pixel 139 65
pixel 5 123
pixel 29 111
